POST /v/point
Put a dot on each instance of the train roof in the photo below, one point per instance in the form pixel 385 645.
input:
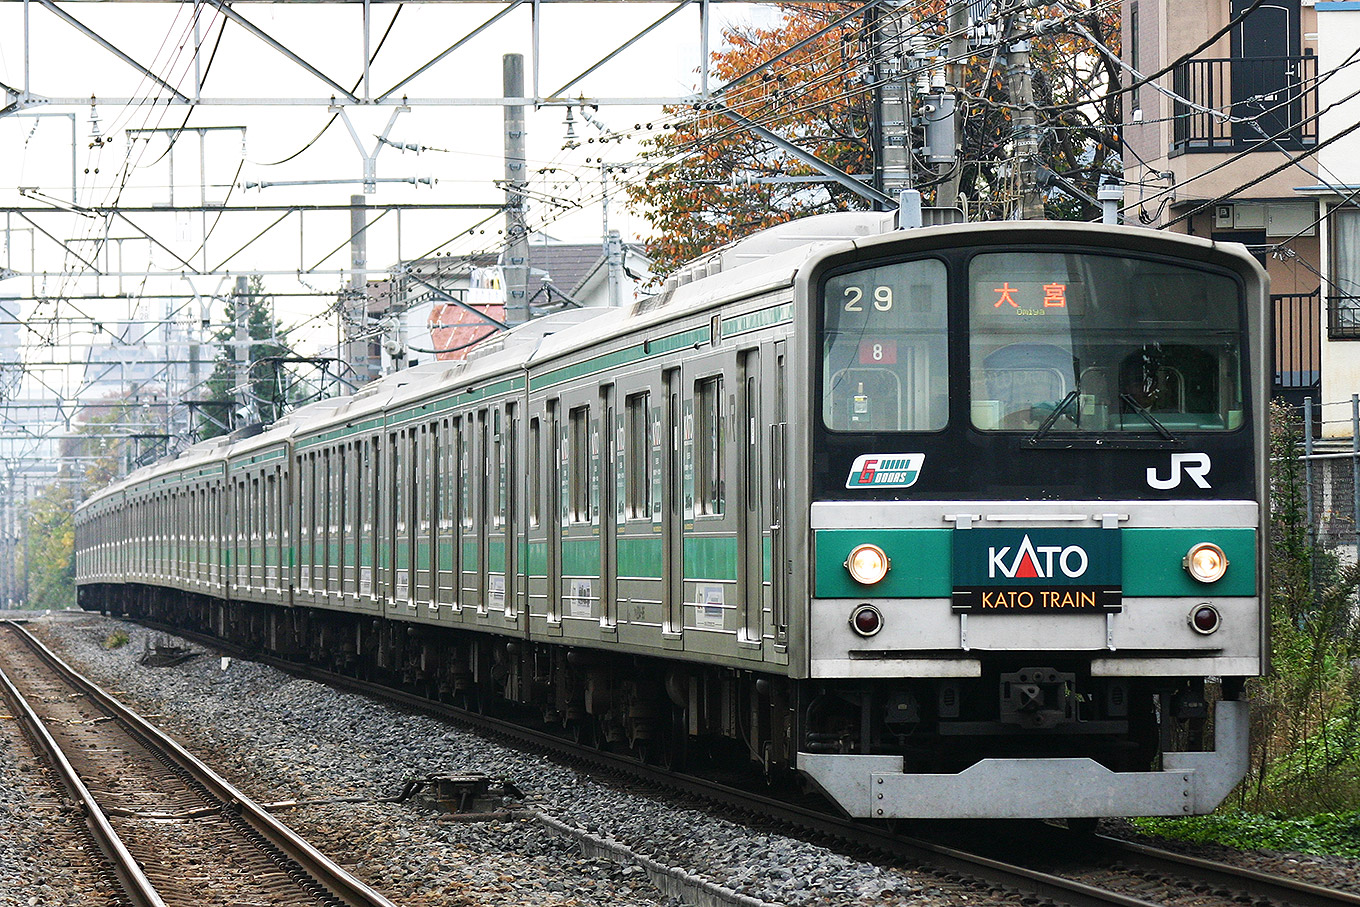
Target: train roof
pixel 763 262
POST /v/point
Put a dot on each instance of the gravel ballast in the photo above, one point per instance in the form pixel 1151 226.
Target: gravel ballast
pixel 280 738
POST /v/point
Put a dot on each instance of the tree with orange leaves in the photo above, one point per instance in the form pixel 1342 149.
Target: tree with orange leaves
pixel 711 182
pixel 812 81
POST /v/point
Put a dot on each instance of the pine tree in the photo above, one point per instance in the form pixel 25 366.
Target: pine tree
pixel 268 397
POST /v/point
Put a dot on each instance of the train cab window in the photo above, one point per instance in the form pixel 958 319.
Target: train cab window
pixel 1068 342
pixel 884 348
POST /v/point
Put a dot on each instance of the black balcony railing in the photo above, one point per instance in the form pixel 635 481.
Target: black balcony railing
pixel 1270 102
pixel 1298 343
pixel 1343 317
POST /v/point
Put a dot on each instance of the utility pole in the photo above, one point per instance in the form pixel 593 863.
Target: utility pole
pixel 1030 204
pixel 242 354
pixel 354 304
pixel 613 246
pixel 892 102
pixel 516 230
pixel 947 195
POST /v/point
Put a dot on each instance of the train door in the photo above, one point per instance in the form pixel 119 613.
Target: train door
pixel 446 509
pixel 779 501
pixel 553 516
pixel 533 567
pixel 441 529
pixel 331 491
pixel 672 507
pixel 271 538
pixel 750 527
pixel 475 484
pixel 384 579
pixel 399 576
pixel 610 512
pixel 427 517
pixel 581 542
pixel 354 485
pixel 497 549
pixel 510 457
pixel 467 430
pixel 368 516
pixel 712 548
pixel 418 489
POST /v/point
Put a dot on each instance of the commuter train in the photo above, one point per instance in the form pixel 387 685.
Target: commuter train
pixel 954 521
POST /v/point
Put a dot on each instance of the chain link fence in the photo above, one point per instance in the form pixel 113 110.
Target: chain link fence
pixel 1331 473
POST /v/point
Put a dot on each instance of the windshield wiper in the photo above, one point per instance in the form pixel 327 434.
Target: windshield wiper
pixel 1052 419
pixel 1152 420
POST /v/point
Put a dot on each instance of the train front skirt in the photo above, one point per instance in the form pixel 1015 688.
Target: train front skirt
pixel 875 787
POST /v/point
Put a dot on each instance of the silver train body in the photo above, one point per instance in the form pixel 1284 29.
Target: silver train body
pixel 954 521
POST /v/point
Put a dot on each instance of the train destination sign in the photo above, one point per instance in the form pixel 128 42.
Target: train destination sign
pixel 1007 298
pixel 1036 571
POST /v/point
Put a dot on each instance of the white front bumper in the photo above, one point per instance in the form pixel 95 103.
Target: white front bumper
pixel 875 787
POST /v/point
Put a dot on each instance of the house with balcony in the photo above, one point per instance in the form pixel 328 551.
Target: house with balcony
pixel 1246 139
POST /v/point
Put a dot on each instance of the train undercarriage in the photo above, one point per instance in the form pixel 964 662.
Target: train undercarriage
pixel 678 714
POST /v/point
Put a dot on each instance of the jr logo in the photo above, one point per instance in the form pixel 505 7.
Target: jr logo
pixel 1194 465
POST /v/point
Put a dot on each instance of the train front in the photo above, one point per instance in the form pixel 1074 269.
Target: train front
pixel 1036 522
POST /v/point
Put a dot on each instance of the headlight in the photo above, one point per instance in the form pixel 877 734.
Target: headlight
pixel 867 564
pixel 1206 562
pixel 1205 619
pixel 866 620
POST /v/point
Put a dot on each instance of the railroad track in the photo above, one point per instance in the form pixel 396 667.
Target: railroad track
pixel 1057 867
pixel 174 832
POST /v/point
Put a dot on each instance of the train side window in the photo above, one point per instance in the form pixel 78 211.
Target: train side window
pixel 709 482
pixel 496 471
pixel 465 469
pixel 579 451
pixel 535 476
pixel 639 459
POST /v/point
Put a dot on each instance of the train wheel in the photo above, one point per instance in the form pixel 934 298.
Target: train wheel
pixel 580 731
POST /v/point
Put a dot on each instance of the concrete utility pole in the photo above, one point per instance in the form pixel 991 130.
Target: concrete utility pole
pixel 614 257
pixel 947 195
pixel 241 353
pixel 1024 127
pixel 354 307
pixel 516 230
pixel 892 138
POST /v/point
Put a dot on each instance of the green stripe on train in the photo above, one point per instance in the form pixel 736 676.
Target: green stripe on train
pixel 1151 562
pixel 640 558
pixel 920 558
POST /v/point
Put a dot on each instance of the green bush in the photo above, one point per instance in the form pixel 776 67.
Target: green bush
pixel 1325 833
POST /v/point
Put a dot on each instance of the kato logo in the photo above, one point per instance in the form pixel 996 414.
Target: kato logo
pixel 897 470
pixel 1029 562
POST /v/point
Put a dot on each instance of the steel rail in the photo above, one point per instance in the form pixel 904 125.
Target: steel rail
pixel 1261 885
pixel 134 881
pixel 938 858
pixel 336 880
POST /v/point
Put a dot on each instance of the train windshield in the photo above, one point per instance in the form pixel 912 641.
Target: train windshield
pixel 1069 342
pixel 885 349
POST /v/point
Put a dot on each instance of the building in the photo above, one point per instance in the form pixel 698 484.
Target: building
pixel 439 307
pixel 1231 138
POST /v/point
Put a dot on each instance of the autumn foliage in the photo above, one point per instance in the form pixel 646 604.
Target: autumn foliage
pixel 813 81
pixel 712 182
